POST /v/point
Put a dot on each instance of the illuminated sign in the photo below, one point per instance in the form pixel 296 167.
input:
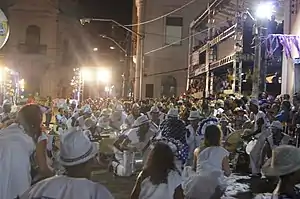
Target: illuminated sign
pixel 4 29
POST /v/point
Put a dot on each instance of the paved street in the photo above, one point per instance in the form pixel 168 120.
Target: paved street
pixel 241 187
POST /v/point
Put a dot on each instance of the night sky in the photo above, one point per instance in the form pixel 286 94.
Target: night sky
pixel 119 10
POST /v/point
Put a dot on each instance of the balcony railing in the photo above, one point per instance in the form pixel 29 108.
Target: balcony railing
pixel 32 49
pixel 222 62
pixel 224 35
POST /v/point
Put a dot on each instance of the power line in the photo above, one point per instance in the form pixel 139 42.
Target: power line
pixel 180 40
pixel 166 72
pixel 163 16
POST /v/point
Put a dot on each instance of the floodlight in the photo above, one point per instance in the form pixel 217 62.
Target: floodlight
pixel 104 75
pixel 86 74
pixel 265 10
pixel 95 49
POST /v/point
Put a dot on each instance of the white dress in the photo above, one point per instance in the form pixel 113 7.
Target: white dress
pixel 16 148
pixel 209 173
pixel 63 187
pixel 161 191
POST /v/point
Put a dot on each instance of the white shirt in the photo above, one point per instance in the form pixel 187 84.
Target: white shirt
pixel 163 190
pixel 63 187
pixel 16 147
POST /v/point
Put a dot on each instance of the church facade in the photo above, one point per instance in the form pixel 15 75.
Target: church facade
pixel 42 45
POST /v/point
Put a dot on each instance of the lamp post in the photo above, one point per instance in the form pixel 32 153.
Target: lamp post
pixel 125 75
pixel 264 11
pixel 139 70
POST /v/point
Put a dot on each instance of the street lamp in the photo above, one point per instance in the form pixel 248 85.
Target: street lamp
pixel 115 42
pixel 95 49
pixel 104 75
pixel 139 53
pixel 263 11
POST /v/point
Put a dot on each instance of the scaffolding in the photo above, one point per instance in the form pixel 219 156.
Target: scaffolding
pixel 237 11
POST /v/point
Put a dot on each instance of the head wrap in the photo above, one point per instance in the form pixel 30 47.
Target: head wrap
pixel 205 123
pixel 174 128
pixel 180 150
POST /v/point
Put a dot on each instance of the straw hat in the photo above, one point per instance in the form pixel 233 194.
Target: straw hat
pixel 194 115
pixel 76 148
pixel 285 160
pixel 140 121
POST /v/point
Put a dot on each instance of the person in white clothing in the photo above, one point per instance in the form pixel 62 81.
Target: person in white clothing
pixel 135 113
pixel 193 139
pixel 118 117
pixel 154 114
pixel 261 132
pixel 77 156
pixel 17 144
pixel 137 139
pixel 158 180
pixel 210 160
pixel 276 139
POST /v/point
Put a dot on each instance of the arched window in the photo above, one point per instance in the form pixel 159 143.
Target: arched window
pixel 33 35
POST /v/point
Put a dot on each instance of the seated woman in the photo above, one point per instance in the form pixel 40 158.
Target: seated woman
pixel 209 160
pixel 159 180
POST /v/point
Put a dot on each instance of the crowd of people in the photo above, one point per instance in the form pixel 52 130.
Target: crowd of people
pixel 185 143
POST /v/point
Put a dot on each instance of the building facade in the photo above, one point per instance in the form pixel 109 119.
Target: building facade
pixel 42 45
pixel 166 46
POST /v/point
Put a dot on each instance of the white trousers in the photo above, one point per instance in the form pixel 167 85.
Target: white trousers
pixel 125 166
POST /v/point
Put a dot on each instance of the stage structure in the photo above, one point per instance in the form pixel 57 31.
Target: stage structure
pixel 218 44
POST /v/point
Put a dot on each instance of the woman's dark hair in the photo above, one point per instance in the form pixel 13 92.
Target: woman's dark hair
pixel 212 136
pixel 160 162
pixel 32 115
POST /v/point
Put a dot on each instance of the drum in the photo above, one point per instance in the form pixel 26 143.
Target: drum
pixel 250 146
pixel 232 141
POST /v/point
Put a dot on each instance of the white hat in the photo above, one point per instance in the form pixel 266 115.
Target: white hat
pixel 173 112
pixel 6 102
pixel 105 112
pixel 285 160
pixel 88 123
pixel 194 115
pixel 154 109
pixel 135 105
pixel 140 121
pixel 76 148
pixel 276 125
pixel 255 102
pixel 119 107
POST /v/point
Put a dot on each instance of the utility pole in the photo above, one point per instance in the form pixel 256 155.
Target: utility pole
pixel 257 59
pixel 139 69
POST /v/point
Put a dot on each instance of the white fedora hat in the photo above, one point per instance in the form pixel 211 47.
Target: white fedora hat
pixel 285 160
pixel 119 107
pixel 173 112
pixel 276 125
pixel 88 123
pixel 194 115
pixel 154 109
pixel 76 148
pixel 140 121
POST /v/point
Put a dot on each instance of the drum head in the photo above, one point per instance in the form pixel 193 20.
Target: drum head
pixel 250 146
pixel 232 140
